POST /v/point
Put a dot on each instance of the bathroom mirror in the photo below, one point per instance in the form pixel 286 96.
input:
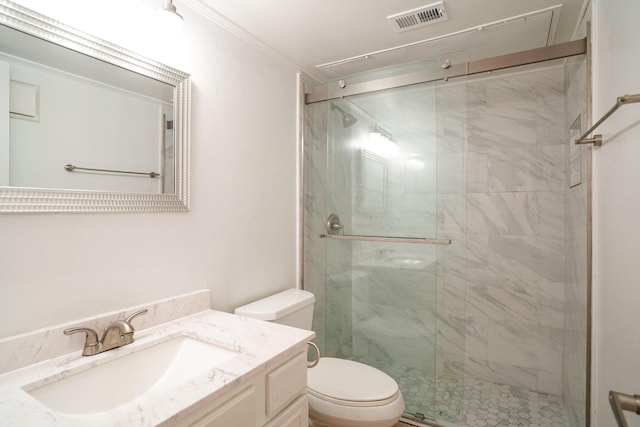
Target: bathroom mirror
pixel 86 125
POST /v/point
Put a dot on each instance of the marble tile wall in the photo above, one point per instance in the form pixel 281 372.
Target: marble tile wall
pixel 514 234
pixel 452 117
pixel 394 310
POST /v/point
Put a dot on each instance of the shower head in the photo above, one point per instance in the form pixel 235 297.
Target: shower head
pixel 347 119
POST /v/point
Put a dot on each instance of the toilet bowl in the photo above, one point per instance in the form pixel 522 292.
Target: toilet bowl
pixel 347 393
pixel 342 393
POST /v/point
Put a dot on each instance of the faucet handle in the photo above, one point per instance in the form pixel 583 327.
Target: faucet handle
pixel 126 328
pixel 91 343
pixel 137 313
pixel 125 325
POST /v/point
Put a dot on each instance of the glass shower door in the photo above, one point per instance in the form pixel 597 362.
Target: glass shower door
pixel 490 326
pixel 383 179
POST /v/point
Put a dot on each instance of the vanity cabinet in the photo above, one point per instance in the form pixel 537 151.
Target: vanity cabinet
pixel 235 411
pixel 295 415
pixel 273 397
pixel 262 383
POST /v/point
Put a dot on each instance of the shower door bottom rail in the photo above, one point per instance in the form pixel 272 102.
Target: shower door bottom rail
pixel 418 240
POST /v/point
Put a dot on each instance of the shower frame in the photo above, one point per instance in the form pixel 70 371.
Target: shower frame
pixel 526 57
pixel 559 51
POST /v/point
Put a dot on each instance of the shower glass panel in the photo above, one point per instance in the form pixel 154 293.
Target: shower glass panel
pixel 390 175
pixel 486 329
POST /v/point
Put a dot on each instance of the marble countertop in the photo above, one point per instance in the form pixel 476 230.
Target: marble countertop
pixel 259 345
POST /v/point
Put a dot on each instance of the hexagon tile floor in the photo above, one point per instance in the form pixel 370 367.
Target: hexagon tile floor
pixel 476 403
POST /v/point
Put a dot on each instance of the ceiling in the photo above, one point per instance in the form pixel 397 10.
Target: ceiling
pixel 310 33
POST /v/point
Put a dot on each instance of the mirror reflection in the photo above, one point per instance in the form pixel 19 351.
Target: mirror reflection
pixel 86 125
pixel 76 122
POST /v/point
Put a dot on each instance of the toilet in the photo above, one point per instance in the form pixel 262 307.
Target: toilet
pixel 342 393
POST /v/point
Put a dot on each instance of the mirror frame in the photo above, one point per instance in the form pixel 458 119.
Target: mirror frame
pixel 33 200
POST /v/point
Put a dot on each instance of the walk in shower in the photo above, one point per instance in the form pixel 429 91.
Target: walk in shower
pixel 488 326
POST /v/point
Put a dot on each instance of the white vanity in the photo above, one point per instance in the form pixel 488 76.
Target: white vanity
pixel 205 369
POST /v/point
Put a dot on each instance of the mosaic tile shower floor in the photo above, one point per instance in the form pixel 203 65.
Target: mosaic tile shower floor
pixel 476 403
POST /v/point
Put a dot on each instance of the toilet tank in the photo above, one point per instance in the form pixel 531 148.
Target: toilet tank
pixel 293 307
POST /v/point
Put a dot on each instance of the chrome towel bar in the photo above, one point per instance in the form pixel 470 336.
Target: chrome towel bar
pixel 419 240
pixel 71 168
pixel 335 230
pixel 623 402
pixel 597 139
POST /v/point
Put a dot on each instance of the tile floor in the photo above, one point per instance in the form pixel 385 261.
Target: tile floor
pixel 476 403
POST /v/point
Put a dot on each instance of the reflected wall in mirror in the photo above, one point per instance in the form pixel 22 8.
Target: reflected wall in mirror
pixel 372 183
pixel 85 125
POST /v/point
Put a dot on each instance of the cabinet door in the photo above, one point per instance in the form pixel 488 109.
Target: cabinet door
pixel 286 382
pixel 295 415
pixel 237 411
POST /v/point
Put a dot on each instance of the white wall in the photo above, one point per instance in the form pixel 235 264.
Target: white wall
pixel 239 238
pixel 111 129
pixel 617 207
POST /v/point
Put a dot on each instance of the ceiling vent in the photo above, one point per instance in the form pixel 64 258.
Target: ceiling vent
pixel 417 18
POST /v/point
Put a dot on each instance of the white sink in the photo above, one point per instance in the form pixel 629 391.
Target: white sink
pixel 126 379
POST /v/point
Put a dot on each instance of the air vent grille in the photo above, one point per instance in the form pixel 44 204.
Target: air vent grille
pixel 419 17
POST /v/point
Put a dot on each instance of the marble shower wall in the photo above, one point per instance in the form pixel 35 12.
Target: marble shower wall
pixel 515 231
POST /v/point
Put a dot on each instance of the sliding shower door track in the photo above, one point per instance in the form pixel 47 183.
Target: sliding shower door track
pixel 409 421
pixel 532 56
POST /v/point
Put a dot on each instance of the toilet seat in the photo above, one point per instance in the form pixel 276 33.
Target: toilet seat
pixel 350 383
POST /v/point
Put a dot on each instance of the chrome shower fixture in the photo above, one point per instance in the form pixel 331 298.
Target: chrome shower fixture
pixel 347 118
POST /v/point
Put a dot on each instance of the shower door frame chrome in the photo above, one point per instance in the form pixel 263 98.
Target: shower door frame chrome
pixel 526 57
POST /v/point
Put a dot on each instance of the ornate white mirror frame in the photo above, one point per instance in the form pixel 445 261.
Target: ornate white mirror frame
pixel 32 200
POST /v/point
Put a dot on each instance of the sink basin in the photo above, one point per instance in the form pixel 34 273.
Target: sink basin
pixel 123 380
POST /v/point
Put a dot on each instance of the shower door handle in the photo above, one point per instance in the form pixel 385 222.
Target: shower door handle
pixel 623 402
pixel 335 230
pixel 419 240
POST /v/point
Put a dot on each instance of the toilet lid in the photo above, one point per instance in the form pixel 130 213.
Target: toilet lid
pixel 346 380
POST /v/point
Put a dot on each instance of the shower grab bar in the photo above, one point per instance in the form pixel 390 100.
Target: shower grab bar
pixel 597 139
pixel 419 240
pixel 71 168
pixel 623 402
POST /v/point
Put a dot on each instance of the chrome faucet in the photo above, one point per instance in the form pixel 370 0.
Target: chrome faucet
pixel 116 334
